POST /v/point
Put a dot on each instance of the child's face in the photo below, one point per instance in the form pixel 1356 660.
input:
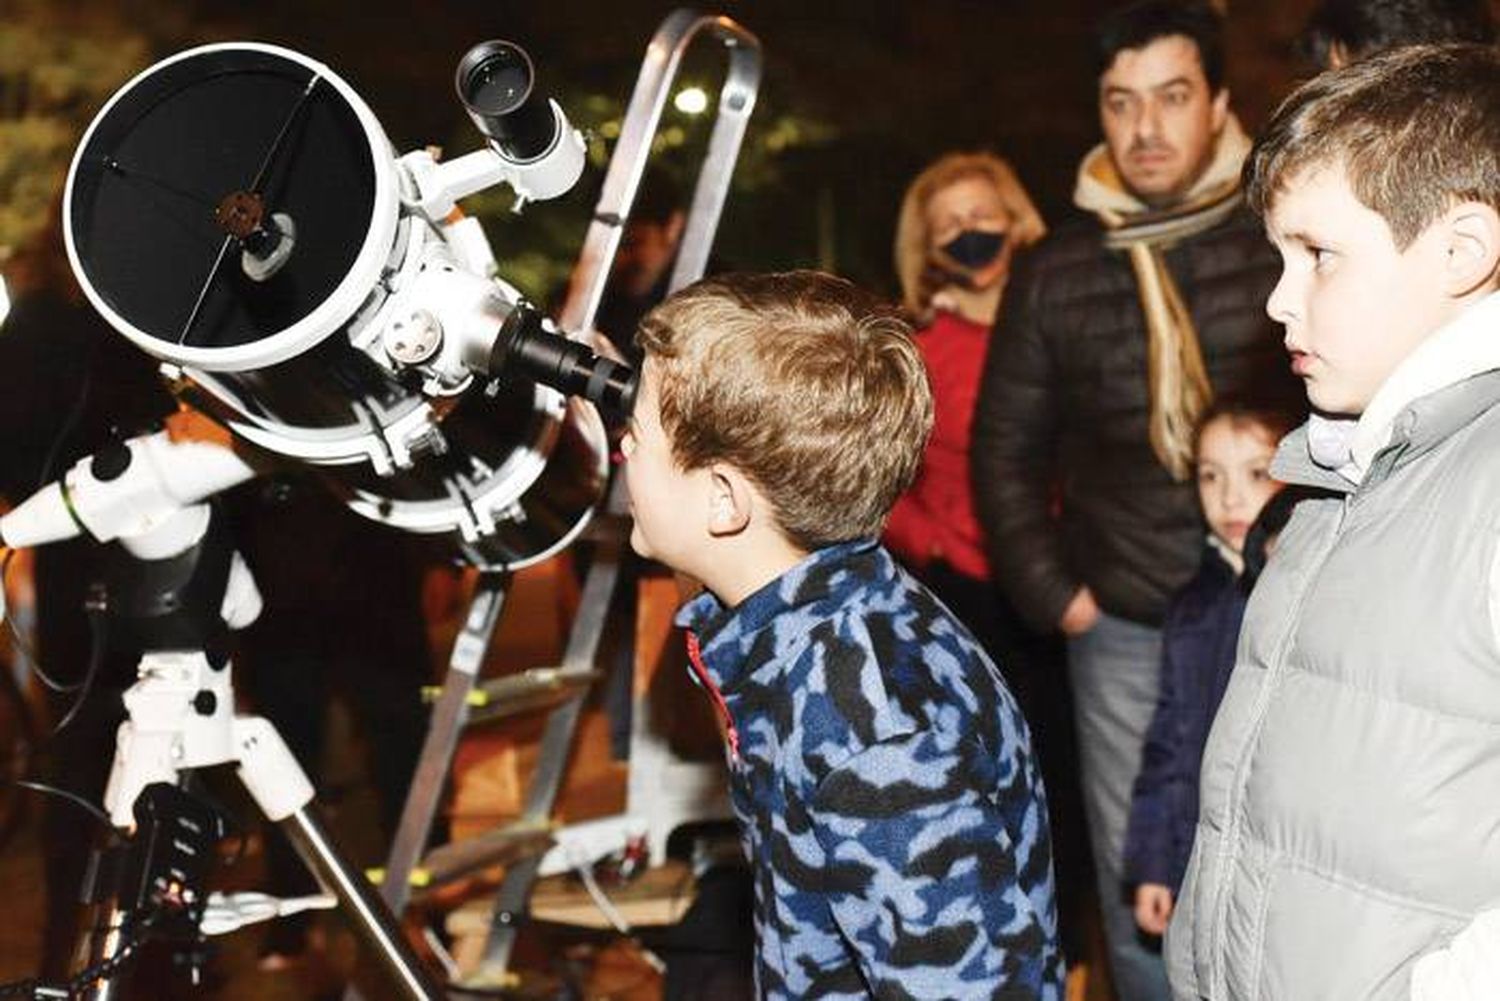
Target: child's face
pixel 661 493
pixel 1234 479
pixel 1353 305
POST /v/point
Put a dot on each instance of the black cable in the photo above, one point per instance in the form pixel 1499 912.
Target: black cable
pixel 69 425
pixel 97 610
pixel 24 645
pixel 98 624
pixel 71 797
pixel 106 968
pixel 86 978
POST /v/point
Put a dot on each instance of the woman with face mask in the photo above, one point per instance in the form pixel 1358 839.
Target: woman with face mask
pixel 962 220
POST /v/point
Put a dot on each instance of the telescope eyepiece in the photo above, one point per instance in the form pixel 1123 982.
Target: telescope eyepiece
pixel 527 347
pixel 496 82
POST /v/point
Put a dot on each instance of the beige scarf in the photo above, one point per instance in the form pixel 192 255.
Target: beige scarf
pixel 1179 386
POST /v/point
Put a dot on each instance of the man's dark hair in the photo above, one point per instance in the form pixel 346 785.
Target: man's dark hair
pixel 1139 24
pixel 1364 27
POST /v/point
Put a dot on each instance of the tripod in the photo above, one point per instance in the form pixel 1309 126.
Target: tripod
pixel 183 587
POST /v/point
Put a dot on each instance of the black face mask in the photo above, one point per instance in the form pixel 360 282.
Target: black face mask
pixel 974 248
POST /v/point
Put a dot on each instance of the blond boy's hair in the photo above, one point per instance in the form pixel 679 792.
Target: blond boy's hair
pixel 1415 130
pixel 806 384
pixel 912 250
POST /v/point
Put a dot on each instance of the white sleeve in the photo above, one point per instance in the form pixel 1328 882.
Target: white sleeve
pixel 1467 970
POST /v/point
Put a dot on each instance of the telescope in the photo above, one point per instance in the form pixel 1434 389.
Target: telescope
pixel 237 212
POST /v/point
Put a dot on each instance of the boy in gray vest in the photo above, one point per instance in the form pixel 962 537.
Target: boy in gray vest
pixel 1348 841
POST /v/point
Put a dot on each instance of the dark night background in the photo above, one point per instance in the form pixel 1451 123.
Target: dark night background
pixel 857 96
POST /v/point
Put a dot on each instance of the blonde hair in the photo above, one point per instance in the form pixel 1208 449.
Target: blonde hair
pixel 911 247
pixel 806 384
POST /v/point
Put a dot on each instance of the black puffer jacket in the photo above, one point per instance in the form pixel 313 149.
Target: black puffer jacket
pixel 1064 401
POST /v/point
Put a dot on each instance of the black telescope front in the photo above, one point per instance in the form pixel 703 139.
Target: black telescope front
pixel 496 83
pixel 527 347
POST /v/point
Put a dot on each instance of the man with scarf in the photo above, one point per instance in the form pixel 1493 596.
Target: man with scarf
pixel 1118 330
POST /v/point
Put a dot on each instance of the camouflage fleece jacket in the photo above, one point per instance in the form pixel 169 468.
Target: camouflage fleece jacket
pixel 885 788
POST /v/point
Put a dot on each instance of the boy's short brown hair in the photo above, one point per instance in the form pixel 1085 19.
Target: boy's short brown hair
pixel 1415 129
pixel 806 384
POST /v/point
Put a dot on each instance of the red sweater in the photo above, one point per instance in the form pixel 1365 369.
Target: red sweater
pixel 935 518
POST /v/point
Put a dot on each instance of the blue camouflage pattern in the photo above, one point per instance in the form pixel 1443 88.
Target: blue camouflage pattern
pixel 886 791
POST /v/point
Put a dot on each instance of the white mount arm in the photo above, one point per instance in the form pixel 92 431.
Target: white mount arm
pixel 124 491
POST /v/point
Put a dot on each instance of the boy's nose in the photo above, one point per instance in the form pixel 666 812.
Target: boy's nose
pixel 1281 303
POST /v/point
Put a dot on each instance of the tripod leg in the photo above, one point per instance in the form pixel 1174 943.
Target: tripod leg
pixel 361 905
pixel 100 940
pixel 282 791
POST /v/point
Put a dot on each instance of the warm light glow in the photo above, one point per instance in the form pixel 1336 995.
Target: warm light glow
pixel 4 300
pixel 691 101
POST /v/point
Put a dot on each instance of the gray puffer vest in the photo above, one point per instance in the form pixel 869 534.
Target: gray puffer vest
pixel 1350 817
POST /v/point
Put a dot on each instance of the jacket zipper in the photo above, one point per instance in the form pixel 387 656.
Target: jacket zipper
pixel 731 735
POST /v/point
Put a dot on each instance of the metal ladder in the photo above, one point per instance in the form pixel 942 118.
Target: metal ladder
pixel 463 699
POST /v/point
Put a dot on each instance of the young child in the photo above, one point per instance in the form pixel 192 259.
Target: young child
pixel 1232 452
pixel 883 778
pixel 1348 844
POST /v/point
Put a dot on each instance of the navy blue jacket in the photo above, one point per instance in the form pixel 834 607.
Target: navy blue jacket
pixel 1198 644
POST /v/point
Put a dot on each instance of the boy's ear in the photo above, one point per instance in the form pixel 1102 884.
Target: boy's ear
pixel 731 500
pixel 1473 248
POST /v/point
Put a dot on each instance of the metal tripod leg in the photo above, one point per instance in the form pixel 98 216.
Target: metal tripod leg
pixel 281 789
pixel 97 943
pixel 377 927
